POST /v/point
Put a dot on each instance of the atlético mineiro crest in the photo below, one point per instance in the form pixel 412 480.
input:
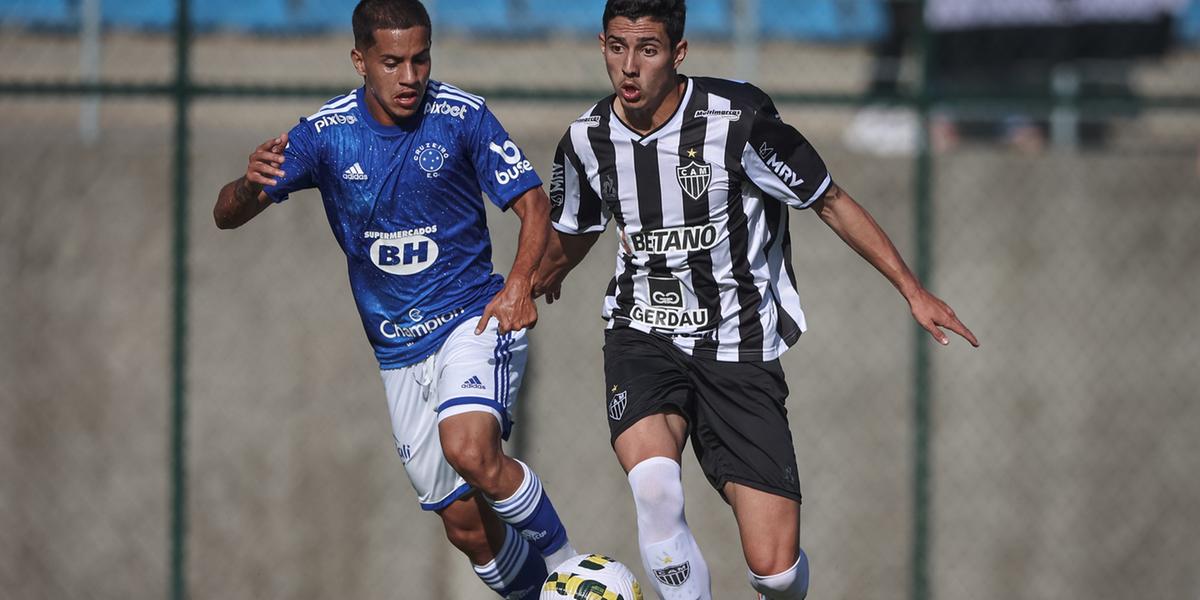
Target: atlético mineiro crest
pixel 616 407
pixel 674 575
pixel 694 178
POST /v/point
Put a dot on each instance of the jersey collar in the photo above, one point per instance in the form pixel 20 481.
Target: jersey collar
pixel 674 123
pixel 406 126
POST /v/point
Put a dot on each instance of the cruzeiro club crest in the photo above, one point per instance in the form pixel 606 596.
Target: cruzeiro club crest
pixel 674 575
pixel 694 178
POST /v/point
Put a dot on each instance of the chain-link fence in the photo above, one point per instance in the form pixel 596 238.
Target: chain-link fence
pixel 1054 206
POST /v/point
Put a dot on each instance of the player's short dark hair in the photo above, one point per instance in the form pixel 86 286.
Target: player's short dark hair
pixel 371 15
pixel 671 13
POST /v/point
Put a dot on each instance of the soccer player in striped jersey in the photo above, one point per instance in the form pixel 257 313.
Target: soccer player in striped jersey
pixel 699 174
pixel 401 164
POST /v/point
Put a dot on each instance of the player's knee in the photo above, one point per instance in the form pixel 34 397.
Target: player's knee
pixel 478 464
pixel 657 490
pixel 776 562
pixel 660 497
pixel 789 584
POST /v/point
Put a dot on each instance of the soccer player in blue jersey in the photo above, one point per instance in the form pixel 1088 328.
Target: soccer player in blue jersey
pixel 401 164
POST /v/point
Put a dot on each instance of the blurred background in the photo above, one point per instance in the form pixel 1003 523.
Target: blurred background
pixel 190 412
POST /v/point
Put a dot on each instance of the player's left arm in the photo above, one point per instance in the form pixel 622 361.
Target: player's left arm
pixel 861 232
pixel 513 307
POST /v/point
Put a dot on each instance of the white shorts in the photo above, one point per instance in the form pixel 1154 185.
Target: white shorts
pixel 469 373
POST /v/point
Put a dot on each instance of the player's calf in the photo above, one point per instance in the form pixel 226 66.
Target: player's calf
pixel 529 509
pixel 472 528
pixel 471 443
pixel 498 554
pixel 517 571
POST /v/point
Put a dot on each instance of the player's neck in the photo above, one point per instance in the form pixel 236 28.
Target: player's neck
pixel 654 115
pixel 382 117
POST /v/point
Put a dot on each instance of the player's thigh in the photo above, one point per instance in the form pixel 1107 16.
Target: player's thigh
pixel 661 434
pixel 769 527
pixel 740 432
pixel 481 373
pixel 412 409
pixel 647 396
pixel 470 438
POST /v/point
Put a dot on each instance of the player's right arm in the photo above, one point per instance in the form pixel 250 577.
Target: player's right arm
pixel 243 198
pixel 563 253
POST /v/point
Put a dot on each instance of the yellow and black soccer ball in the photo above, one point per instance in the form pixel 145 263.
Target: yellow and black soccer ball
pixel 591 577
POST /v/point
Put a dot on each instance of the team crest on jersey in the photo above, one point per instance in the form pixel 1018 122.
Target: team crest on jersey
pixel 694 178
pixel 431 157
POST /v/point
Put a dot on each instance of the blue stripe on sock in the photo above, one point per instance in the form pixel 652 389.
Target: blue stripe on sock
pixel 526 500
pixel 511 553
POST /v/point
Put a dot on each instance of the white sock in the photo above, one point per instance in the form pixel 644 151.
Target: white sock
pixel 670 554
pixel 791 584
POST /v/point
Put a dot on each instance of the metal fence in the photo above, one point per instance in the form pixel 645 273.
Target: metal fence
pixel 194 413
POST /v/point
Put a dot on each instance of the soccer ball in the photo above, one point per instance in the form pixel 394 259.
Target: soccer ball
pixel 591 577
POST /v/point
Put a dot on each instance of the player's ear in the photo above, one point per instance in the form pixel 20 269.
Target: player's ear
pixel 603 45
pixel 680 52
pixel 360 65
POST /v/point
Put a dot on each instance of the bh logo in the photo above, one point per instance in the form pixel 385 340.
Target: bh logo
pixel 405 256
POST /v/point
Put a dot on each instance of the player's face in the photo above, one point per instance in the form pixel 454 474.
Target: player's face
pixel 396 71
pixel 642 64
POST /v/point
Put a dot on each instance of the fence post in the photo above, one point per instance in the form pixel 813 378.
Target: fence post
pixel 179 331
pixel 89 69
pixel 922 402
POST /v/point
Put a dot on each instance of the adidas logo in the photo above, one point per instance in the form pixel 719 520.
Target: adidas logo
pixel 473 384
pixel 354 173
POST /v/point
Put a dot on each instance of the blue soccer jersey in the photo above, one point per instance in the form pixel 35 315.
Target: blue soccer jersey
pixel 405 204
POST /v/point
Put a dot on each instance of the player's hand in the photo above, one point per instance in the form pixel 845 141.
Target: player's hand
pixel 513 308
pixel 265 162
pixel 547 284
pixel 624 239
pixel 933 314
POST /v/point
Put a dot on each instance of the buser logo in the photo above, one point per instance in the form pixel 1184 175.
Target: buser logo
pixel 512 156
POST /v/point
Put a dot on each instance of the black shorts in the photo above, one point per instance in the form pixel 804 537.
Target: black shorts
pixel 735 411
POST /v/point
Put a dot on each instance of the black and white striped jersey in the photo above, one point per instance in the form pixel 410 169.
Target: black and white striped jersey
pixel 701 203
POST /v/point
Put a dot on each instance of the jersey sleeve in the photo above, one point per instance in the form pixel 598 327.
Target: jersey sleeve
pixel 299 164
pixel 503 171
pixel 575 208
pixel 778 159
